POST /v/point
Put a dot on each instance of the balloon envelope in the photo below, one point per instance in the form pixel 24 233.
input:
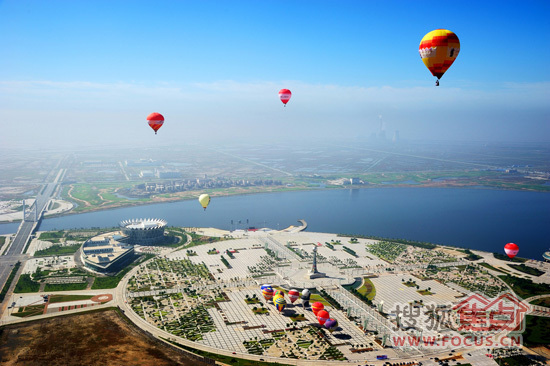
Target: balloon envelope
pixel 323 316
pixel 264 286
pixel 293 295
pixel 285 95
pixel 267 293
pixel 438 50
pixel 305 294
pixel 155 120
pixel 331 323
pixel 317 307
pixel 280 303
pixel 204 200
pixel 511 250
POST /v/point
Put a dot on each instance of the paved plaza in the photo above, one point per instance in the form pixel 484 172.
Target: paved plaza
pixel 214 280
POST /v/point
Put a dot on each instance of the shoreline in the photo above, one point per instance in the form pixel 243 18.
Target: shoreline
pixel 132 203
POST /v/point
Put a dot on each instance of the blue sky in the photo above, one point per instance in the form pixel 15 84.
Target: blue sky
pixel 219 65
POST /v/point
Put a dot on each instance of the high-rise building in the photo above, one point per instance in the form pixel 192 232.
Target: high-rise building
pixel 396 136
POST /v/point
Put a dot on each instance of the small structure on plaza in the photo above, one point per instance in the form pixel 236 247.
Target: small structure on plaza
pixel 144 231
pixel 314 273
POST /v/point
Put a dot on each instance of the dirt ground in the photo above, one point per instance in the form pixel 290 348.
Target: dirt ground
pixel 101 338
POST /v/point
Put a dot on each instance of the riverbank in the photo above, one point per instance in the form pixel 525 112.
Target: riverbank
pixel 86 206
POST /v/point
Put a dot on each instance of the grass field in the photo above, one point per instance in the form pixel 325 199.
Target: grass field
pixel 57 250
pixel 64 298
pixel 367 289
pixel 26 285
pixel 65 286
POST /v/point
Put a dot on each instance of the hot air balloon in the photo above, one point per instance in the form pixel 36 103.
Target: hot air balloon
pixel 285 95
pixel 204 200
pixel 511 250
pixel 268 293
pixel 438 50
pixel 280 303
pixel 293 295
pixel 305 297
pixel 155 121
pixel 264 286
pixel 331 324
pixel 317 307
pixel 323 316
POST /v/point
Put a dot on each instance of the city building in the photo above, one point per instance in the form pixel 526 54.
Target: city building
pixel 107 253
pixel 143 231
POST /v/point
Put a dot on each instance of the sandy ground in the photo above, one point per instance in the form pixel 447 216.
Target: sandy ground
pixel 101 338
pixel 63 206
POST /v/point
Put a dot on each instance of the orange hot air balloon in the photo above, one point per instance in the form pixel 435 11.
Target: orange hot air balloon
pixel 285 95
pixel 156 120
pixel 317 307
pixel 268 293
pixel 323 316
pixel 438 50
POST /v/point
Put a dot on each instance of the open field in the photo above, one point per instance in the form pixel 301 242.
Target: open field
pixel 104 337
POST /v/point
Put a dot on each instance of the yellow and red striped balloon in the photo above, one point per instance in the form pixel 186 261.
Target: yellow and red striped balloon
pixel 438 50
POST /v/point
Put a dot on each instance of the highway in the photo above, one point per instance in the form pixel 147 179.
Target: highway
pixel 17 246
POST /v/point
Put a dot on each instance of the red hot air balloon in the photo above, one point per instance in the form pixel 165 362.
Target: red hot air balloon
pixel 293 295
pixel 155 121
pixel 511 250
pixel 323 316
pixel 317 307
pixel 285 95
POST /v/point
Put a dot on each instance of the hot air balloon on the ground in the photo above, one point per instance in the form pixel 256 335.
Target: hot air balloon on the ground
pixel 285 95
pixel 280 303
pixel 323 316
pixel 204 200
pixel 305 297
pixel 155 121
pixel 317 307
pixel 331 324
pixel 293 295
pixel 267 293
pixel 438 50
pixel 511 250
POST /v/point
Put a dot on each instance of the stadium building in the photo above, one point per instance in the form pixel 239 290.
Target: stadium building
pixel 143 231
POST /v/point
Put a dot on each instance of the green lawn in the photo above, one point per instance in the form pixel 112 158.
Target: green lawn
pixel 318 298
pixel 26 285
pixel 65 286
pixel 367 289
pixel 487 265
pixel 526 269
pixel 524 287
pixel 64 298
pixel 537 331
pixel 545 301
pixel 57 250
pixel 51 235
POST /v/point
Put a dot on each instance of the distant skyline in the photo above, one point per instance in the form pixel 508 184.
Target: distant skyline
pixel 89 73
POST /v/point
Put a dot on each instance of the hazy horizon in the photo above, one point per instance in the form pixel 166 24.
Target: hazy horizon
pixel 83 74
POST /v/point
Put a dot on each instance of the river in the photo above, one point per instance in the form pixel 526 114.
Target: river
pixel 483 219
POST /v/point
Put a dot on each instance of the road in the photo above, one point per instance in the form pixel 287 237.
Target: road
pixel 17 246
